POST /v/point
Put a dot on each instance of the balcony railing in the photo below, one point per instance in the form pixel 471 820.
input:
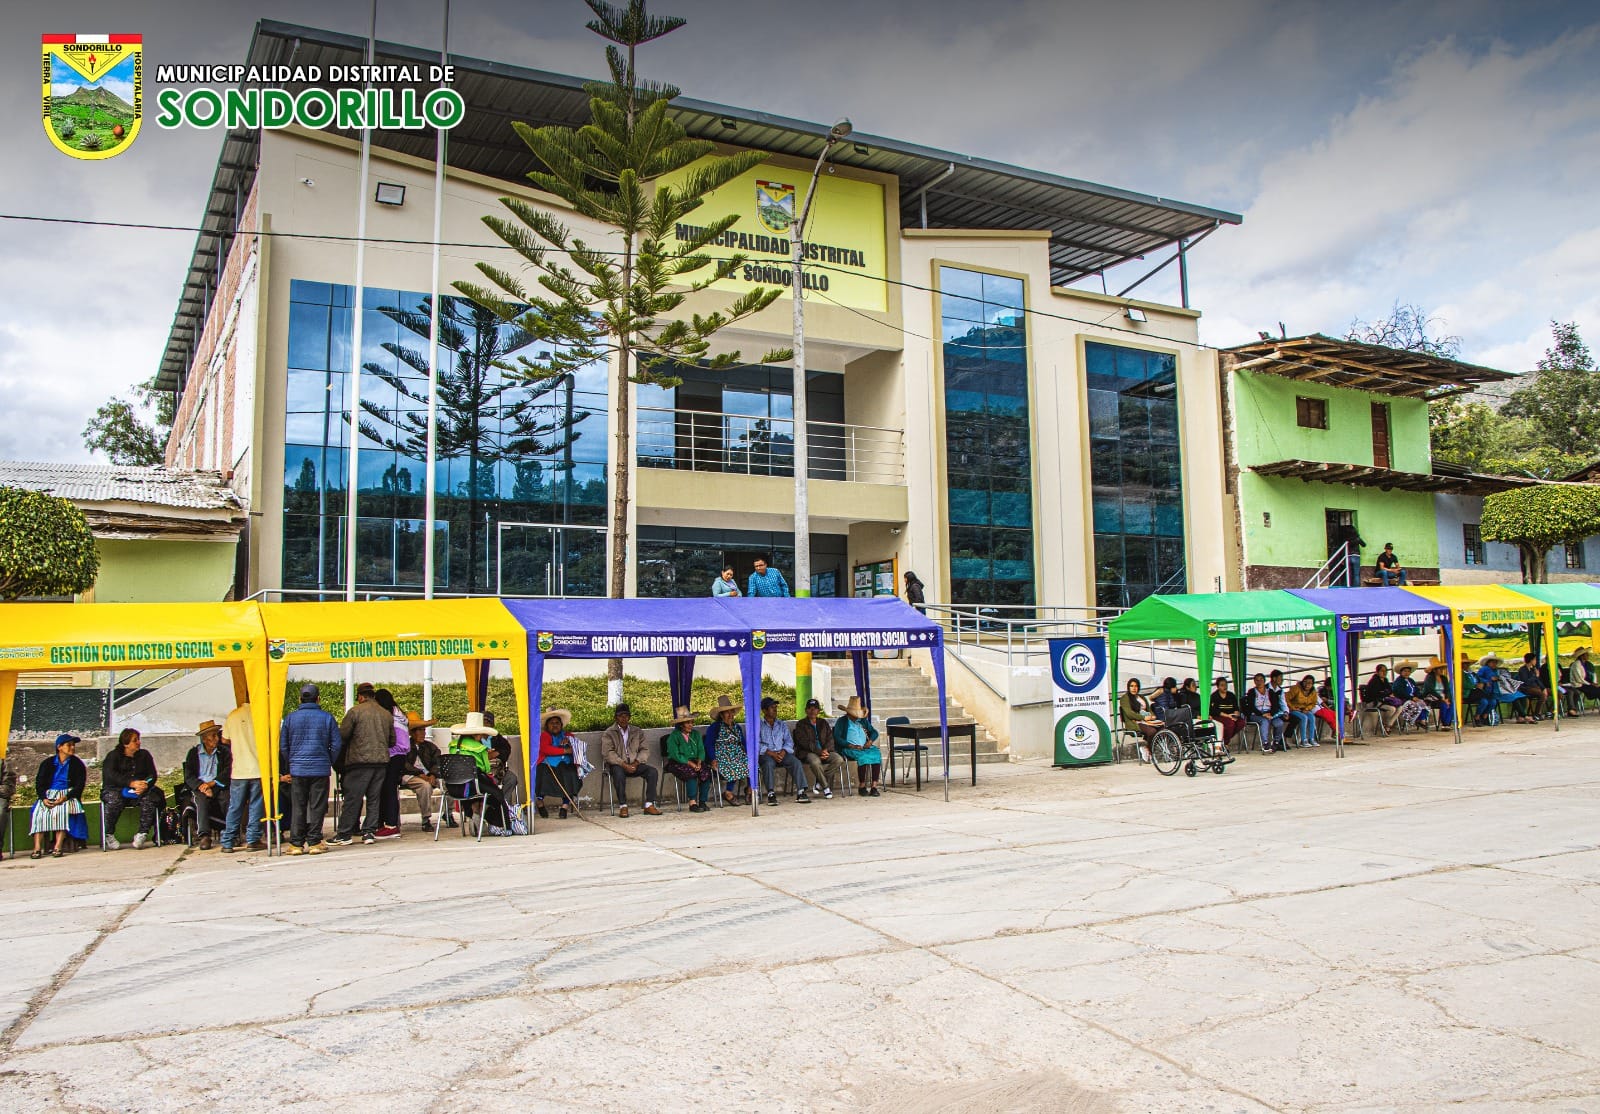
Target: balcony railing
pixel 707 441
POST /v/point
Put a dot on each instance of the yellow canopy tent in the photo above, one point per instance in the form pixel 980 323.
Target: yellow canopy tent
pixel 1488 604
pixel 130 636
pixel 475 630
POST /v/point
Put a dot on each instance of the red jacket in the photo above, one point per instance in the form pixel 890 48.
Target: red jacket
pixel 548 749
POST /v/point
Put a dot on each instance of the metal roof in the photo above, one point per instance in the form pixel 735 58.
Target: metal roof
pixel 1356 365
pixel 1092 227
pixel 115 483
pixel 1359 475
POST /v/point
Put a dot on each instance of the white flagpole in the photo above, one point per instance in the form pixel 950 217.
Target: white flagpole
pixel 355 365
pixel 429 498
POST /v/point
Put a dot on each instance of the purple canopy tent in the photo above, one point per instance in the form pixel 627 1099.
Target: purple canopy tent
pixel 1379 609
pixel 682 629
pixel 857 626
pixel 676 629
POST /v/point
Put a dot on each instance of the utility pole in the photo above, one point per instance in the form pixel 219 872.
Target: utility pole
pixel 802 447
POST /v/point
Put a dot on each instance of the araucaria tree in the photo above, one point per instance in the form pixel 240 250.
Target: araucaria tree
pixel 619 299
pixel 46 548
pixel 1536 519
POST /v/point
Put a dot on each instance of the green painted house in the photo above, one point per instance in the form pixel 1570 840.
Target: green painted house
pixel 1327 441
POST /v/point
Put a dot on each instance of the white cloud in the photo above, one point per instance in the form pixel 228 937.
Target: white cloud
pixel 1446 185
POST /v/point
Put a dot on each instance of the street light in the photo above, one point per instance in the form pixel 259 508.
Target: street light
pixel 802 452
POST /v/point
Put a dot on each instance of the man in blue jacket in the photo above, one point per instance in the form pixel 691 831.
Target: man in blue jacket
pixel 766 582
pixel 308 747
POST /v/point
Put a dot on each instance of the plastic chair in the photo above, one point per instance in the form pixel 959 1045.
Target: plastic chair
pixel 458 784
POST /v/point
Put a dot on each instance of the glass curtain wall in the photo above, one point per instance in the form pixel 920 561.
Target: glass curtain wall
pixel 1135 473
pixel 509 452
pixel 984 337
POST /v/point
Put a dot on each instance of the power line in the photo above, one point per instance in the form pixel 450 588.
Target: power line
pixel 334 237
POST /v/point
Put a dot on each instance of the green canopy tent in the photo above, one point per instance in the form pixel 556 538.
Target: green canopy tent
pixel 1572 602
pixel 1229 617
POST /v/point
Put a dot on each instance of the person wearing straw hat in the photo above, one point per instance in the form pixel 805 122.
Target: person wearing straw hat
pixel 1436 691
pixel 207 771
pixel 418 770
pixel 685 754
pixel 468 738
pixel 1580 675
pixel 625 754
pixel 1413 711
pixel 857 741
pixel 724 741
pixel 558 770
pixel 1499 687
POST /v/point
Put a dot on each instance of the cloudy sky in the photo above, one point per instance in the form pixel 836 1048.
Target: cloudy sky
pixel 1445 153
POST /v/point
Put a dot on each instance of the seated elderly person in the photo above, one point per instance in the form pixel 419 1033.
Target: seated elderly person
pixel 1266 709
pixel 775 747
pixel 684 752
pixel 626 754
pixel 1377 695
pixel 207 772
pixel 1580 675
pixel 558 770
pixel 419 770
pixel 813 745
pixel 857 741
pixel 1532 683
pixel 128 778
pixel 1496 687
pixel 59 809
pixel 472 738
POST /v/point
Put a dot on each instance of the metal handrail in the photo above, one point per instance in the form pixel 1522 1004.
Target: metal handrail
pixel 715 441
pixel 1334 571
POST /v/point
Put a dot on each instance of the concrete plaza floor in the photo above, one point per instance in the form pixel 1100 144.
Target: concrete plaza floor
pixel 1413 927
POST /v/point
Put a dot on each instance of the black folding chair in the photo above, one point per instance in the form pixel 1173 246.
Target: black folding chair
pixel 459 784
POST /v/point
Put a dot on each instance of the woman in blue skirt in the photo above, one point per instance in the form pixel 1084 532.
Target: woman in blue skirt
pixel 857 741
pixel 59 809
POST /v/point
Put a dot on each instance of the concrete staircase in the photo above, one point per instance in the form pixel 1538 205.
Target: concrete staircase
pixel 901 689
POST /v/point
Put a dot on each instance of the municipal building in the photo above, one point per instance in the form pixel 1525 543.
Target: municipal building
pixel 977 414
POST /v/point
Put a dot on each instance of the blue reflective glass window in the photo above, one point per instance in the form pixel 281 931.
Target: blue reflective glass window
pixel 987 437
pixel 969 507
pixel 1012 508
pixel 1135 454
pixel 1001 290
pixel 308 336
pixel 340 337
pixel 953 281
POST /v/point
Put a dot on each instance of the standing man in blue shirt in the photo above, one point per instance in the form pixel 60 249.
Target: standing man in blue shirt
pixel 777 749
pixel 767 582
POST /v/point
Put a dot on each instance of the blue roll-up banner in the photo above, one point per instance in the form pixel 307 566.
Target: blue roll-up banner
pixel 1082 683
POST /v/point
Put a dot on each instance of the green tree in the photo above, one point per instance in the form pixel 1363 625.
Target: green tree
pixel 619 300
pixel 1535 519
pixel 1561 402
pixel 46 548
pixel 119 430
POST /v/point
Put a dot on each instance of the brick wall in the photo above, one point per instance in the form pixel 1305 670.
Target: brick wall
pixel 203 432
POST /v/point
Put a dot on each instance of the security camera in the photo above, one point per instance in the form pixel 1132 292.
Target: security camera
pixel 895 530
pixel 308 182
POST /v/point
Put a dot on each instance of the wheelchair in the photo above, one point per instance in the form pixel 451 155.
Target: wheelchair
pixel 1192 745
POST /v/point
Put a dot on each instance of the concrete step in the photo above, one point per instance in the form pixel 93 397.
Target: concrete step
pixel 901 689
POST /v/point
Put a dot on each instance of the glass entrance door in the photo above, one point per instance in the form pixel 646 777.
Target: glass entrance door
pixel 537 559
